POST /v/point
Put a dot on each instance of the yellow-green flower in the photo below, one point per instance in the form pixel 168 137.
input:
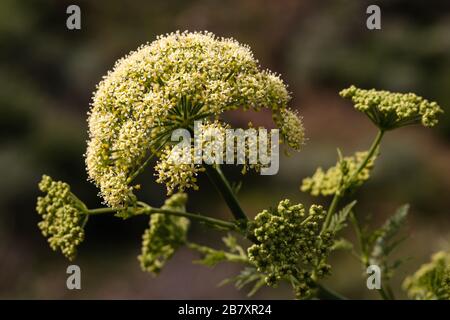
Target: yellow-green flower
pixel 291 127
pixel 62 215
pixel 389 110
pixel 177 170
pixel 290 245
pixel 164 236
pixel 165 85
pixel 432 280
pixel 331 181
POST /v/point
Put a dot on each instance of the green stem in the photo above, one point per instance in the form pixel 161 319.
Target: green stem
pixel 194 216
pixel 359 237
pixel 372 150
pixel 146 209
pixel 229 257
pixel 146 162
pixel 97 211
pixel 384 294
pixel 385 291
pixel 221 183
pixel 390 292
pixel 328 294
pixel 338 195
pixel 334 203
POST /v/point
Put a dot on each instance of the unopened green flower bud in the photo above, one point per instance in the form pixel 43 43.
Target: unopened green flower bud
pixel 290 245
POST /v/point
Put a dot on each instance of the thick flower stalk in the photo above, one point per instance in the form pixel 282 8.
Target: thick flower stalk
pixel 63 216
pixel 166 85
pixel 432 280
pixel 290 246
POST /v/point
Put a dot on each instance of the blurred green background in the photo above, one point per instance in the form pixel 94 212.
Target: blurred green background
pixel 48 73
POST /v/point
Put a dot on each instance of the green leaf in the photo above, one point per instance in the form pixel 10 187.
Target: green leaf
pixel 339 220
pixel 384 242
pixel 247 276
pixel 257 286
pixel 211 256
pixel 385 239
pixel 342 244
pixel 124 214
pixel 233 245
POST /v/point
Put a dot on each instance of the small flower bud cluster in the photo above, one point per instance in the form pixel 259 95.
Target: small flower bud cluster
pixel 176 169
pixel 389 110
pixel 432 280
pixel 246 148
pixel 291 246
pixel 329 182
pixel 291 127
pixel 211 141
pixel 164 236
pixel 252 148
pixel 62 216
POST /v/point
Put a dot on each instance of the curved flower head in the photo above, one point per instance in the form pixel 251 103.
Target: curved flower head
pixel 165 85
pixel 329 182
pixel 389 110
pixel 62 216
pixel 164 235
pixel 432 280
pixel 291 246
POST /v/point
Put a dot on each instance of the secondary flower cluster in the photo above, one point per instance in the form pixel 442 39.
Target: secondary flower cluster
pixel 176 169
pixel 389 110
pixel 432 280
pixel 329 182
pixel 179 165
pixel 169 84
pixel 62 216
pixel 291 246
pixel 291 127
pixel 164 236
